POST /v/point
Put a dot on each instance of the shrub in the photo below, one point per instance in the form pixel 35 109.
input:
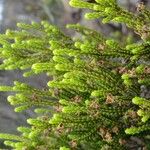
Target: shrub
pixel 94 99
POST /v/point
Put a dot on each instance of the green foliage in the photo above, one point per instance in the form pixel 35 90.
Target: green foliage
pixel 94 99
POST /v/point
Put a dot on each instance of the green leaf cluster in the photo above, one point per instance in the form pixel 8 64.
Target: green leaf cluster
pixel 94 99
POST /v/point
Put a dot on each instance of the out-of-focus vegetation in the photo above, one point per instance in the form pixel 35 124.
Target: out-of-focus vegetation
pixel 51 9
pixel 46 9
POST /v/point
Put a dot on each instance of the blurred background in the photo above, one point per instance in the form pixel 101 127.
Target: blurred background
pixel 57 12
